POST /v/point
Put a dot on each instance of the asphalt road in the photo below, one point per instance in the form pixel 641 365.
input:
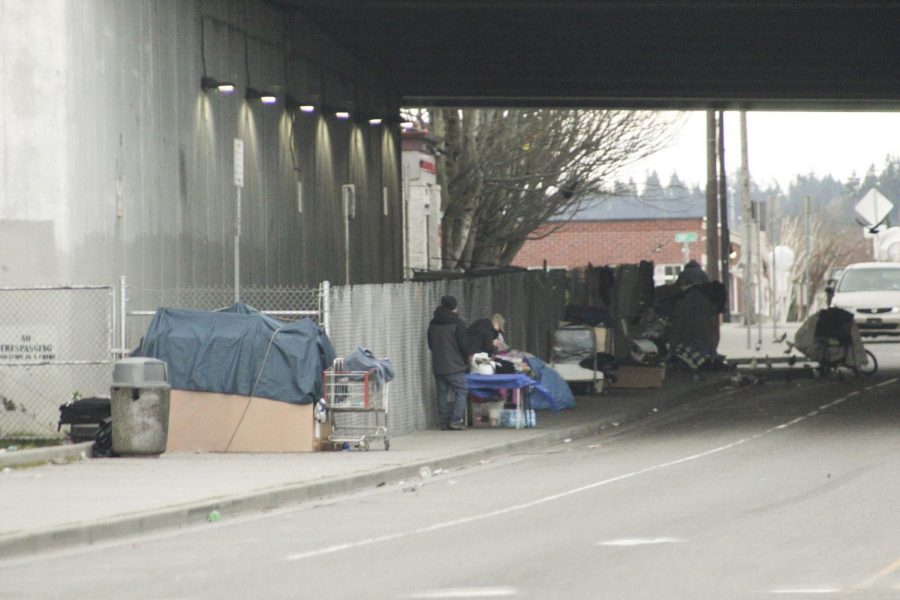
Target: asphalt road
pixel 787 488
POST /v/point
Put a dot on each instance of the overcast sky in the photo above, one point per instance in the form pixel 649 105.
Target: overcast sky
pixel 781 145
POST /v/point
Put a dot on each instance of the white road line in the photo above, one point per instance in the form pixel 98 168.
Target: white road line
pixel 806 591
pixel 551 498
pixel 482 592
pixel 641 541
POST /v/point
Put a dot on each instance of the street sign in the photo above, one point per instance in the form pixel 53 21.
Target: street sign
pixel 874 207
pixel 685 237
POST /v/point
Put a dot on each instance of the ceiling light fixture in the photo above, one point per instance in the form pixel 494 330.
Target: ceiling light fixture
pixel 209 84
pixel 261 95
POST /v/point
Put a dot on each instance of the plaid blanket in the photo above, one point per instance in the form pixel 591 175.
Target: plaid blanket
pixel 690 356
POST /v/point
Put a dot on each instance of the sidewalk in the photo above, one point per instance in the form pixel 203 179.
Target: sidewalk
pixel 66 503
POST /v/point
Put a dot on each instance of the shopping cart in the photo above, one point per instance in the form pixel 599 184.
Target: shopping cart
pixel 360 392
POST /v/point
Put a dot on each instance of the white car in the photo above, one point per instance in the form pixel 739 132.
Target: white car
pixel 871 291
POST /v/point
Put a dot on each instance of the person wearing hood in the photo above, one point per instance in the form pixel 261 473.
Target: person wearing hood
pixel 692 274
pixel 449 362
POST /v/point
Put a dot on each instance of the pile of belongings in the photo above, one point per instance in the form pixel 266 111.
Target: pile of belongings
pixel 831 336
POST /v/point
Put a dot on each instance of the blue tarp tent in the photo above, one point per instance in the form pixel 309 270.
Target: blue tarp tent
pixel 239 350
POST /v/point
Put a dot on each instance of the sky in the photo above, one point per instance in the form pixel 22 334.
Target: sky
pixel 780 146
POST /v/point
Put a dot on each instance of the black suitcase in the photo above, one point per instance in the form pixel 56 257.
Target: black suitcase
pixel 84 417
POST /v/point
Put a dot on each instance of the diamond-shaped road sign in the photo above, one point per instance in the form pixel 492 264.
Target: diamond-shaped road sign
pixel 874 207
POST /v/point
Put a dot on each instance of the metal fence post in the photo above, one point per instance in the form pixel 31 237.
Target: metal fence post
pixel 123 317
pixel 325 306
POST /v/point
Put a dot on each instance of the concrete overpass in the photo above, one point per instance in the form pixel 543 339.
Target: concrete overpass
pixel 753 54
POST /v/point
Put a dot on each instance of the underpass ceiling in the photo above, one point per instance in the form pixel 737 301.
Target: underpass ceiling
pixel 759 54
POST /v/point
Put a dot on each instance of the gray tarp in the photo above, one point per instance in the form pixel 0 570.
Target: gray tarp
pixel 240 351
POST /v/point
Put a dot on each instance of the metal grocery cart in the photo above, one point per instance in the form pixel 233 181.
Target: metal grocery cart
pixel 362 392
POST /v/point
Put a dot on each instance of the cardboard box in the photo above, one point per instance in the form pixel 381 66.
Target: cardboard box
pixel 206 422
pixel 485 414
pixel 628 376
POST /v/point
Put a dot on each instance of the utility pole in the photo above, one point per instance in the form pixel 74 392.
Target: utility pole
pixel 746 217
pixel 757 221
pixel 723 215
pixel 771 238
pixel 806 230
pixel 712 209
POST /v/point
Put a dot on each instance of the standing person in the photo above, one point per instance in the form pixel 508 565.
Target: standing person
pixel 449 362
pixel 486 335
pixel 692 274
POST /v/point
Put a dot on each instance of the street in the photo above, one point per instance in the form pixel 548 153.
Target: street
pixel 787 488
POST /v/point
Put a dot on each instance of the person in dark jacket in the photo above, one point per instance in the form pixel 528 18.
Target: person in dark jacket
pixel 486 335
pixel 691 274
pixel 449 362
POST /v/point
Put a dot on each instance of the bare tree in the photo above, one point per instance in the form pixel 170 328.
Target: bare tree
pixel 828 249
pixel 503 173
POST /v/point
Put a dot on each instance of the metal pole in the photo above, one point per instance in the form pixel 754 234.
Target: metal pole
pixel 123 317
pixel 806 290
pixel 723 216
pixel 325 303
pixel 770 237
pixel 712 209
pixel 237 246
pixel 346 249
pixel 759 291
pixel 747 242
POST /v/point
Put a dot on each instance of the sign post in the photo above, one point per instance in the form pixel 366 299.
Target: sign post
pixel 239 185
pixel 686 237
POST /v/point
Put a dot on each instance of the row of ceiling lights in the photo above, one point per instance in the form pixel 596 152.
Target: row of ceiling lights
pixel 209 84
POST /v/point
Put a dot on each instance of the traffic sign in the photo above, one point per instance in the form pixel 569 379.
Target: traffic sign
pixel 874 207
pixel 685 237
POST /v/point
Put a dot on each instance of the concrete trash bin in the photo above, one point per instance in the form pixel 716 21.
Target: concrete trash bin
pixel 139 402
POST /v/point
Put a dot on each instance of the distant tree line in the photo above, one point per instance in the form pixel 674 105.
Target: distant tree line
pixel 831 199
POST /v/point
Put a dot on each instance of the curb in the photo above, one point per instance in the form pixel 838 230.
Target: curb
pixel 195 513
pixel 51 454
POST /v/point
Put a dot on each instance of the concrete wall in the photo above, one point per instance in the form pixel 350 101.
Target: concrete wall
pixel 114 161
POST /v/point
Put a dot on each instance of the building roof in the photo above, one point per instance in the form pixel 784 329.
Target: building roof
pixel 634 208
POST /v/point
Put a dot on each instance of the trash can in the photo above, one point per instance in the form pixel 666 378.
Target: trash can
pixel 140 406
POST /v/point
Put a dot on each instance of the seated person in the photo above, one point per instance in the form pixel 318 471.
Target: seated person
pixel 486 335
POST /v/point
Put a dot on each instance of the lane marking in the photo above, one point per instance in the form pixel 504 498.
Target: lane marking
pixel 895 566
pixel 561 495
pixel 480 592
pixel 641 541
pixel 806 591
pixel 508 509
pixel 539 501
pixel 882 384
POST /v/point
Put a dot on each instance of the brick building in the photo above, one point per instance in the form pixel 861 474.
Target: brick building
pixel 622 229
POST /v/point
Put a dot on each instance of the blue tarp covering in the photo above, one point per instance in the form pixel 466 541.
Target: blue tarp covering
pixel 240 351
pixel 557 387
pixel 486 386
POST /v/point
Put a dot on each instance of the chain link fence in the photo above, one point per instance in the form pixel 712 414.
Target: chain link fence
pixel 285 303
pixel 392 320
pixel 58 342
pixel 55 343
